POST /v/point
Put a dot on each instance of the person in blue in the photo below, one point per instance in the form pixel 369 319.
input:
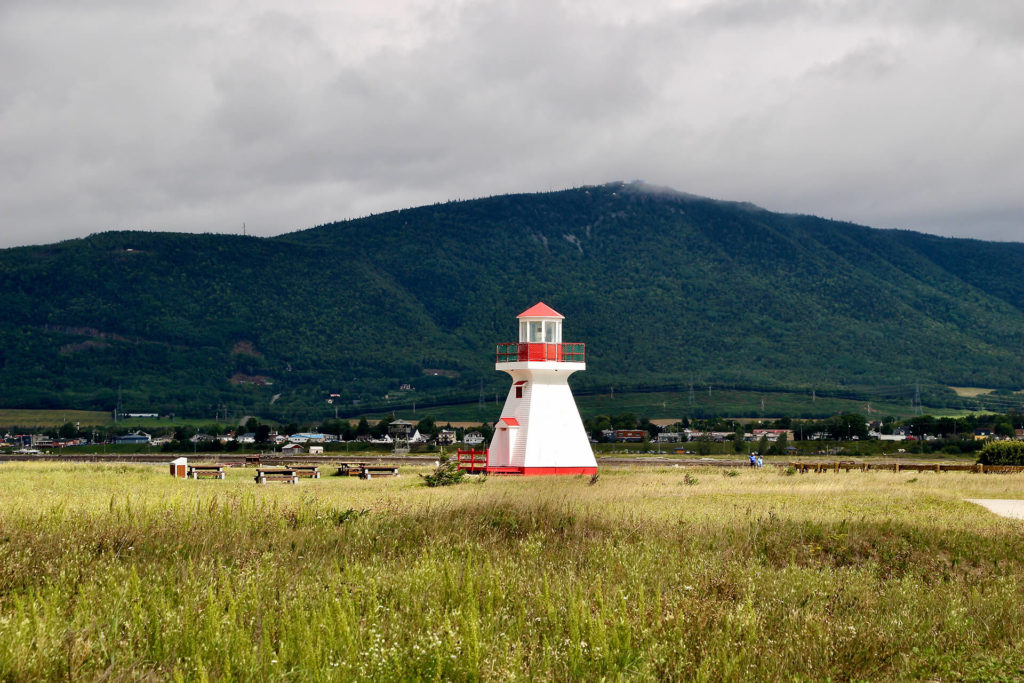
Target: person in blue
pixel 753 460
pixel 760 462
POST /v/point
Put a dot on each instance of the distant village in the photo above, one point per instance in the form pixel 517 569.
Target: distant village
pixel 404 435
pixel 311 442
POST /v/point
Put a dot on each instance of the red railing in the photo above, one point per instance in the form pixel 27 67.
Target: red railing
pixel 473 460
pixel 517 352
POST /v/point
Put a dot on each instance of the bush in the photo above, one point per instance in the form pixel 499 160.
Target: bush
pixel 1002 453
pixel 445 474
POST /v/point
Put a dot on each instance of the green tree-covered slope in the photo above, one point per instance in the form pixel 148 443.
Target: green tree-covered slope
pixel 663 287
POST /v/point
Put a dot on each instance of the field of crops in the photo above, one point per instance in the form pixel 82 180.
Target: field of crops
pixel 123 572
pixel 11 417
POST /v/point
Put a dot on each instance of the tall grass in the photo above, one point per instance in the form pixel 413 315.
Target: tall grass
pixel 122 571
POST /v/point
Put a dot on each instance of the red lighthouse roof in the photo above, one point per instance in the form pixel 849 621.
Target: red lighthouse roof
pixel 540 310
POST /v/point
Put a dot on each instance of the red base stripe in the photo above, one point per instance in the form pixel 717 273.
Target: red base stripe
pixel 542 471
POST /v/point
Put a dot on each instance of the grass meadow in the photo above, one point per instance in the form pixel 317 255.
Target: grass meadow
pixel 121 572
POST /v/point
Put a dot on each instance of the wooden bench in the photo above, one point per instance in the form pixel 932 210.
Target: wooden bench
pixel 309 471
pixel 350 469
pixel 282 474
pixel 206 471
pixel 371 471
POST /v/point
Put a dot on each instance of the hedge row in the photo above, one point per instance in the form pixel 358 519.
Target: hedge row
pixel 1002 453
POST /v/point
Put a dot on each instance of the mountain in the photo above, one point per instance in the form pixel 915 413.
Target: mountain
pixel 664 287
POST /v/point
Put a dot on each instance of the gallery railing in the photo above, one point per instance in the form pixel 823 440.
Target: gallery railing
pixel 518 352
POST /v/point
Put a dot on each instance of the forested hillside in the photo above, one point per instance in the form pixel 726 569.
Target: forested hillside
pixel 663 287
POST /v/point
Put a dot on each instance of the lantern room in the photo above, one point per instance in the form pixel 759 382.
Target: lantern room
pixel 540 324
pixel 540 339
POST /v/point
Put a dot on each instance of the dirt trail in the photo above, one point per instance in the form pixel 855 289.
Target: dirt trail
pixel 1004 508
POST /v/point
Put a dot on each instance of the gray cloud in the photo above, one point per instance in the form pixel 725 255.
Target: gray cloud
pixel 202 116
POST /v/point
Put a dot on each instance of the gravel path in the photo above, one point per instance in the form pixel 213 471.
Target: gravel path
pixel 1005 508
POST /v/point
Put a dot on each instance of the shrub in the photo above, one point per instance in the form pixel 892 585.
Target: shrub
pixel 446 473
pixel 1002 453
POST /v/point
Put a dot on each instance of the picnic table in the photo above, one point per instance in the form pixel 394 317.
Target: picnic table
pixel 288 475
pixel 310 471
pixel 204 471
pixel 370 471
pixel 365 470
pixel 350 469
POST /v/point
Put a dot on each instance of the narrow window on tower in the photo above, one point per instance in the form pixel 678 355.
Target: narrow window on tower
pixel 519 392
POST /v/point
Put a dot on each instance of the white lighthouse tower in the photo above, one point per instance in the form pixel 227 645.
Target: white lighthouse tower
pixel 540 431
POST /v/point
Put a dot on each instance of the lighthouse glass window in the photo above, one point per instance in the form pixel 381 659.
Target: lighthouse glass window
pixel 536 331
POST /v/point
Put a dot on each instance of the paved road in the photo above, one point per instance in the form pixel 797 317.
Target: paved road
pixel 1004 508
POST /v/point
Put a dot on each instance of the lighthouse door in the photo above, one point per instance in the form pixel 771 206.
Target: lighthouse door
pixel 500 450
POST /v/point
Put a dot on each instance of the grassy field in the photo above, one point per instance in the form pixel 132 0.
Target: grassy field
pixel 971 392
pixel 51 418
pixel 126 573
pixel 42 419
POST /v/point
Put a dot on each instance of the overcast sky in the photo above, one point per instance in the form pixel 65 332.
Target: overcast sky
pixel 202 115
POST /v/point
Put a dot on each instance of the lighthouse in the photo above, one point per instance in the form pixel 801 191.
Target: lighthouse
pixel 540 430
